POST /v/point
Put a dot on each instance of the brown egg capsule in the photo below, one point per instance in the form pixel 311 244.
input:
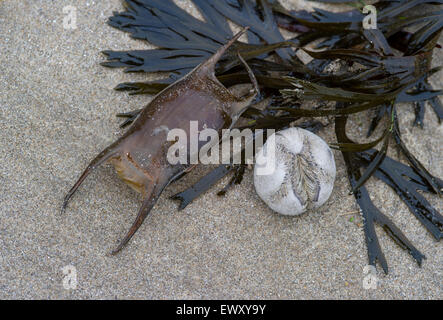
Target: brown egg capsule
pixel 140 155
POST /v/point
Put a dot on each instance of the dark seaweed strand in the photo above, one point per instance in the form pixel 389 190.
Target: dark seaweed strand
pixel 416 165
pixel 378 158
pixel 371 214
pixel 379 112
pixel 405 182
pixel 129 117
pixel 419 109
pixel 204 184
pixel 237 178
pixel 258 16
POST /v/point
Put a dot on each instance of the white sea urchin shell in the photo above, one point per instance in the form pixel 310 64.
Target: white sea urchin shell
pixel 304 173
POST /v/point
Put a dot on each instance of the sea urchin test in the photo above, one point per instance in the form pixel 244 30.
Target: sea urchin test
pixel 302 175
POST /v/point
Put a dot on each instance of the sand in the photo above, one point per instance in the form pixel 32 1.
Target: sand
pixel 57 111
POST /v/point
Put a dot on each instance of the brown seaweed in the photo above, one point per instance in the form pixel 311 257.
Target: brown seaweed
pixel 371 214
